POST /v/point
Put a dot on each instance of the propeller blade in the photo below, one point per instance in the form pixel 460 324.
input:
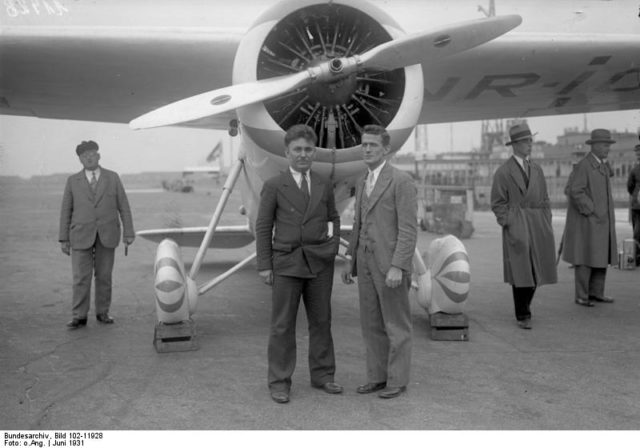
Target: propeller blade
pixel 448 40
pixel 221 100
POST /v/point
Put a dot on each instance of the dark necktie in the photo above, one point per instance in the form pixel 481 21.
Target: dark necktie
pixel 527 168
pixel 94 182
pixel 304 186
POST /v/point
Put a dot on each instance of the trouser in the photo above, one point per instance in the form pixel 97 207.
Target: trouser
pixel 385 317
pixel 589 281
pixel 635 222
pixel 316 295
pixel 522 297
pixel 84 263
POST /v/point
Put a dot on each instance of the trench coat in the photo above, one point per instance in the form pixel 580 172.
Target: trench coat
pixel 524 212
pixel 590 236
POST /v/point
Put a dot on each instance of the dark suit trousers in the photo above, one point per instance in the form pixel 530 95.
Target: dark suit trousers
pixel 385 317
pixel 85 262
pixel 635 222
pixel 589 281
pixel 522 297
pixel 316 295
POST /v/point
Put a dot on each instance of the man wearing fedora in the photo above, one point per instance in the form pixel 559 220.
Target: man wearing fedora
pixel 93 204
pixel 590 240
pixel 633 187
pixel 520 201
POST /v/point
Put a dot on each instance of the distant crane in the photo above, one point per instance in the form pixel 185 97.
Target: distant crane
pixel 492 9
pixel 492 134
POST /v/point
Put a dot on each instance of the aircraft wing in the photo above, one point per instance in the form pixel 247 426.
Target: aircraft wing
pixel 91 61
pixel 225 237
pixel 111 74
pixel 525 75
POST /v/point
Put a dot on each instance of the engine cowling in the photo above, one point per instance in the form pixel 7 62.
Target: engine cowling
pixel 295 35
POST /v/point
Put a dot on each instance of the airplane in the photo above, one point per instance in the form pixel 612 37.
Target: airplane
pixel 187 181
pixel 335 65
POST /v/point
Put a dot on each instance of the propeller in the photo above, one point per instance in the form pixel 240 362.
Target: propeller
pixel 405 51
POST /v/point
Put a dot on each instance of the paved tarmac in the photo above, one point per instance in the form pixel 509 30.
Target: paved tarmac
pixel 577 369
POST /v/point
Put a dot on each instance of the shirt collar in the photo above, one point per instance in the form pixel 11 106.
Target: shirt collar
pixel 89 173
pixel 520 160
pixel 376 172
pixel 597 159
pixel 297 175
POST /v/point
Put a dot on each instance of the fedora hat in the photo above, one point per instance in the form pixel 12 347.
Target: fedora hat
pixel 519 132
pixel 600 135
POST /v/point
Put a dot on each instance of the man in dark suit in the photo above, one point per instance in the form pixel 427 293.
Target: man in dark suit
pixel 93 204
pixel 382 245
pixel 633 187
pixel 520 201
pixel 297 259
pixel 590 240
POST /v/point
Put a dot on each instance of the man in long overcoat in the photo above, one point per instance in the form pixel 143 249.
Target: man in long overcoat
pixel 520 201
pixel 633 187
pixel 590 238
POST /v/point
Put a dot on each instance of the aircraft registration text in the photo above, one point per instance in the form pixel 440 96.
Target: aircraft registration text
pixel 16 8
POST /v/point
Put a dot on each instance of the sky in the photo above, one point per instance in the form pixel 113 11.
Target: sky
pixel 31 146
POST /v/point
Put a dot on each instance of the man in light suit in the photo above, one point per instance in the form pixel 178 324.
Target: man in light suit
pixel 520 201
pixel 93 204
pixel 297 259
pixel 590 240
pixel 382 245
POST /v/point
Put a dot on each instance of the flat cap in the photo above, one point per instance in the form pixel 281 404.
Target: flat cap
pixel 86 146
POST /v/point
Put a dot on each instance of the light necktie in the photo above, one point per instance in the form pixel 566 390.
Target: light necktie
pixel 94 182
pixel 304 186
pixel 527 168
pixel 370 184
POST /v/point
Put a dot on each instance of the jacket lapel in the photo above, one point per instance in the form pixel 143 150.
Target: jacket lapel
pixel 317 190
pixel 83 184
pixel 101 187
pixel 382 183
pixel 517 174
pixel 599 166
pixel 292 192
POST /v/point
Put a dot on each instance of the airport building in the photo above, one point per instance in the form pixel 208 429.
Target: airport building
pixel 475 169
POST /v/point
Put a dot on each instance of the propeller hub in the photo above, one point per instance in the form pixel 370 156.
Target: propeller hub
pixel 336 65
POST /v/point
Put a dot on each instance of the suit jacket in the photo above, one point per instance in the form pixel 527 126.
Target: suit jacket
pixel 83 215
pixel 389 218
pixel 590 238
pixel 291 238
pixel 523 211
pixel 633 187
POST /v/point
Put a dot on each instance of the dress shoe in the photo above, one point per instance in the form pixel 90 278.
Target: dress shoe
pixel 280 397
pixel 525 324
pixel 603 299
pixel 77 323
pixel 584 302
pixel 330 387
pixel 104 318
pixel 371 387
pixel 392 392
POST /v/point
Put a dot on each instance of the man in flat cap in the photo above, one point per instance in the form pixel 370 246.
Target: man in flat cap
pixel 93 205
pixel 633 187
pixel 520 201
pixel 590 239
